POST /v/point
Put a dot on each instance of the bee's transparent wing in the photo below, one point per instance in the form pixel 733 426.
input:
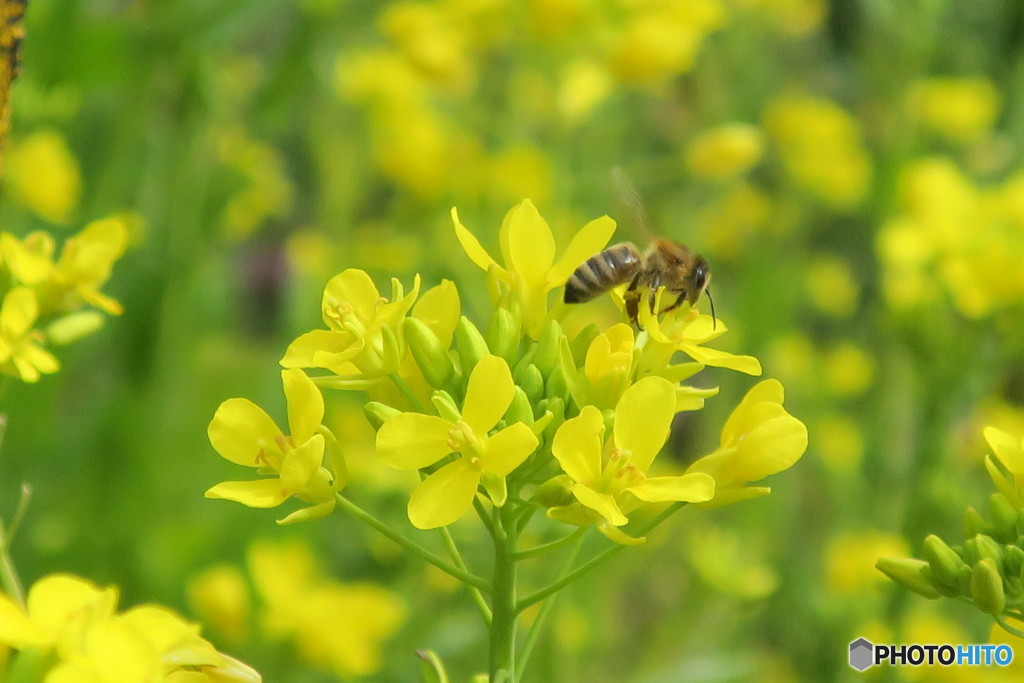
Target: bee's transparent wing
pixel 631 202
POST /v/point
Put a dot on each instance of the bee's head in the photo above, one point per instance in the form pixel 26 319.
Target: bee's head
pixel 700 278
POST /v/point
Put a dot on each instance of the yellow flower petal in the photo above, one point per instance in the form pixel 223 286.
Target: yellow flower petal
pixel 409 441
pixel 577 445
pixel 305 404
pixel 488 395
pixel 321 349
pixel 703 329
pixel 310 513
pixel 262 493
pixel 18 313
pixel 601 503
pixel 439 309
pixel 617 535
pixel 722 359
pixel 471 245
pixel 772 447
pixel 240 429
pixel 29 266
pixel 590 240
pixel 507 449
pixel 643 418
pixel 300 464
pixel 16 629
pixel 1007 449
pixel 691 488
pixel 444 496
pixel 355 288
pixel 728 496
pixel 768 391
pixel 531 247
pixel 59 601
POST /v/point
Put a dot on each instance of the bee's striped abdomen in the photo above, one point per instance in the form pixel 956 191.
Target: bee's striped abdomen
pixel 601 272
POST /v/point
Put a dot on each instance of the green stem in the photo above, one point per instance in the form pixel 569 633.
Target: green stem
pixel 484 516
pixel 474 592
pixel 566 579
pixel 453 571
pixel 502 655
pixel 406 390
pixel 553 545
pixel 8 575
pixel 545 609
pixel 1009 629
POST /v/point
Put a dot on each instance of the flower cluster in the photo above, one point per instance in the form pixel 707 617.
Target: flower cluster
pixel 988 568
pixel 523 413
pixel 42 294
pixel 70 630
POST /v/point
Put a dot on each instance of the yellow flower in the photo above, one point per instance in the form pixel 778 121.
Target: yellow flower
pixel 358 318
pixel 759 438
pixel 84 267
pixel 412 441
pixel 1009 451
pixel 244 434
pixel 726 151
pixel 59 609
pixel 43 175
pixel 528 252
pixel 960 109
pixel 220 596
pixel 607 369
pixel 21 354
pixel 850 560
pixel 831 286
pixel 849 370
pixel 609 479
pixel 30 260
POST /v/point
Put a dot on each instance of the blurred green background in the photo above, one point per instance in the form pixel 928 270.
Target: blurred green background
pixel 851 169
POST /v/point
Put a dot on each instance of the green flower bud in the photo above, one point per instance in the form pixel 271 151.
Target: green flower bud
pixel 504 334
pixel 71 328
pixel 987 588
pixel 470 345
pixel 908 573
pixel 547 349
pixel 943 589
pixel 581 343
pixel 392 352
pixel 556 387
pixel 521 409
pixel 555 492
pixel 377 413
pixel 944 562
pixel 446 406
pixel 974 523
pixel 431 667
pixel 1013 560
pixel 963 581
pixel 1004 517
pixel 429 353
pixel 555 406
pixel 987 547
pixel 532 383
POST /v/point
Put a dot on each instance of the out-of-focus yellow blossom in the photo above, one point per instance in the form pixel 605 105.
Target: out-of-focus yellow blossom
pixel 555 18
pixel 791 17
pixel 821 148
pixel 726 151
pixel 608 479
pixel 831 286
pixel 21 351
pixel 267 191
pixel 380 79
pixel 928 626
pixel 220 596
pixel 43 174
pixel 724 560
pixel 840 443
pixel 688 331
pixel 244 434
pixel 528 252
pixel 520 172
pixel 1009 452
pixel 734 221
pixel 412 441
pixel 427 38
pixel 357 317
pixel 584 85
pixel 793 356
pixel 1014 671
pixel 759 439
pixel 960 109
pixel 849 370
pixel 850 560
pixel 77 621
pixel 30 260
pixel 954 236
pixel 417 149
pixel 84 266
pixel 336 626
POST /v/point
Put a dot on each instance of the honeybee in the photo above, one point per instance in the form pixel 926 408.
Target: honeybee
pixel 665 263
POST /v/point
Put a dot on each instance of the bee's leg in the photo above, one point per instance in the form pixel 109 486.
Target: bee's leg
pixel 632 300
pixel 678 302
pixel 652 297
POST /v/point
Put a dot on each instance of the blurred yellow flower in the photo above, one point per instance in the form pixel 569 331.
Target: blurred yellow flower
pixel 30 260
pixel 960 109
pixel 583 86
pixel 608 479
pixel 43 174
pixel 851 556
pixel 518 172
pixel 849 370
pixel 726 561
pixel 220 596
pixel 21 351
pixel 831 286
pixel 528 252
pixel 726 151
pixel 840 443
pixel 759 439
pixel 336 626
pixel 412 441
pixel 84 266
pixel 244 434
pixel 821 148
pixel 430 42
pixel 791 17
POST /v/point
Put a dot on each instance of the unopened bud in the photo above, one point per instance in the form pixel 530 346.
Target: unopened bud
pixel 987 548
pixel 532 383
pixel 908 573
pixel 944 562
pixel 71 328
pixel 504 334
pixel 1013 560
pixel 547 349
pixel 429 353
pixel 974 523
pixel 555 492
pixel 1004 517
pixel 445 406
pixel 377 413
pixel 987 588
pixel 470 345
pixel 391 356
pixel 521 409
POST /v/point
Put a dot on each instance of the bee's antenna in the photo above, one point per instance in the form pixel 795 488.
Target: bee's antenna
pixel 714 320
